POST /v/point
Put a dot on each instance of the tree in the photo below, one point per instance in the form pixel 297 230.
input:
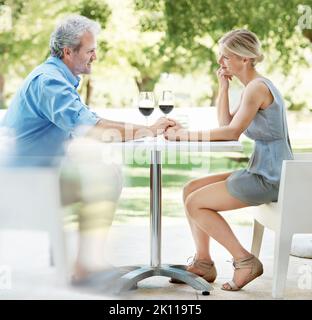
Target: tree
pixel 167 36
pixel 191 30
pixel 100 12
pixel 162 56
pixel 5 42
pixel 27 43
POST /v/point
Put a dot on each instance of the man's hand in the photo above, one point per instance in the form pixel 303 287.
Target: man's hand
pixel 161 125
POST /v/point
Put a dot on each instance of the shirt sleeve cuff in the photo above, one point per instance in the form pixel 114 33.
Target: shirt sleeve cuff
pixel 85 121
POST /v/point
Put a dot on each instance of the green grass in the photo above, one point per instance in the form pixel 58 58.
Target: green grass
pixel 134 201
pixel 135 198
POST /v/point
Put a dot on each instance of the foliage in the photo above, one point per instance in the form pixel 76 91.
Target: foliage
pixel 95 10
pixel 33 22
pixel 191 30
pixel 167 36
pixel 27 43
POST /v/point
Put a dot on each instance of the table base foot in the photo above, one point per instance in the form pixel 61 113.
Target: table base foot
pixel 129 280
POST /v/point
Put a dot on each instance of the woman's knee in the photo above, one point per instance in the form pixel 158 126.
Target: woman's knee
pixel 191 205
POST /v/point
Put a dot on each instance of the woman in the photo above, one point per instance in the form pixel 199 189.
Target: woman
pixel 261 116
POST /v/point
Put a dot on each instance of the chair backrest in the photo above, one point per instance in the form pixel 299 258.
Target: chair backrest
pixel 269 214
pixel 29 198
pixel 295 192
pixel 303 156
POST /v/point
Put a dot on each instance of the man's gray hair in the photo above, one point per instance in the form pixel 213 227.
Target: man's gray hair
pixel 68 33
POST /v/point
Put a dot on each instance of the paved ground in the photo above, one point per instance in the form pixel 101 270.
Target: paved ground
pixel 33 278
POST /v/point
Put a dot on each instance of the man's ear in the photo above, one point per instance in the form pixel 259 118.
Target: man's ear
pixel 67 52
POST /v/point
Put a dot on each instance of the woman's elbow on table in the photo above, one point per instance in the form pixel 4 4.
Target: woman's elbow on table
pixel 234 132
pixel 225 133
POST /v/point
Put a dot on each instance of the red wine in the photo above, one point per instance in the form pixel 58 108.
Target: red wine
pixel 146 111
pixel 166 108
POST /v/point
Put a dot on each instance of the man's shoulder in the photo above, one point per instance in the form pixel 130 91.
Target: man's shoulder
pixel 48 73
pixel 45 74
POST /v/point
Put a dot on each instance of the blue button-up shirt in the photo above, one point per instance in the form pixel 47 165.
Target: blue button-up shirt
pixel 46 112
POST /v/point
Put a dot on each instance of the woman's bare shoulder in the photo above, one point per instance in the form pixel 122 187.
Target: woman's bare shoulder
pixel 260 91
pixel 256 84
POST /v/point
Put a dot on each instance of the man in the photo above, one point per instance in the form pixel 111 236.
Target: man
pixel 47 112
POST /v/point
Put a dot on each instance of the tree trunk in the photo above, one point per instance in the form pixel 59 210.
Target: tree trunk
pixel 146 84
pixel 1 91
pixel 308 34
pixel 89 90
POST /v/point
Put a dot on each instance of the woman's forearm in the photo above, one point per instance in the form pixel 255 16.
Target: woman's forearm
pixel 223 110
pixel 225 133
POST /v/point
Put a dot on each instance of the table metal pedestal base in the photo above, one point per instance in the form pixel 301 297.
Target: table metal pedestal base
pixel 129 280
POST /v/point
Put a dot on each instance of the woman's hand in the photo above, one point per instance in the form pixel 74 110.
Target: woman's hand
pixel 223 78
pixel 161 125
pixel 176 133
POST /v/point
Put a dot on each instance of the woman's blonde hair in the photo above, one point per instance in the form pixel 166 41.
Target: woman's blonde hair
pixel 243 43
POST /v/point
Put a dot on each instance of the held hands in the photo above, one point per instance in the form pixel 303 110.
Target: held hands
pixel 171 129
pixel 176 133
pixel 161 125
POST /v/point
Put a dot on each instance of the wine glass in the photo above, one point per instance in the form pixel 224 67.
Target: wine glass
pixel 166 102
pixel 146 104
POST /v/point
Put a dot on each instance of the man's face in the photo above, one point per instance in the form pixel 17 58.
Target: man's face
pixel 79 61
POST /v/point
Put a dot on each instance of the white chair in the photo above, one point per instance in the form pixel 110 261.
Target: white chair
pixel 291 214
pixel 30 200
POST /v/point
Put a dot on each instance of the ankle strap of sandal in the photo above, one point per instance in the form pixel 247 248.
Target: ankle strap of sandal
pixel 244 263
pixel 203 264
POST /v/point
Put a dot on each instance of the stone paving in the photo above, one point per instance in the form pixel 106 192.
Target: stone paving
pixel 128 244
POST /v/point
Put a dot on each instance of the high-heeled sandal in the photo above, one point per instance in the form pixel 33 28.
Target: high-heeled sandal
pixel 256 270
pixel 208 268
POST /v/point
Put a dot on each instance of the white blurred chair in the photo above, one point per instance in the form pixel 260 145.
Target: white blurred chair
pixel 291 214
pixel 30 200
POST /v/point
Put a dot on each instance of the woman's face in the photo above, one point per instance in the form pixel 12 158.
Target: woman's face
pixel 230 63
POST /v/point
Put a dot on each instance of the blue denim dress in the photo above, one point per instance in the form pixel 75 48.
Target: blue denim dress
pixel 259 182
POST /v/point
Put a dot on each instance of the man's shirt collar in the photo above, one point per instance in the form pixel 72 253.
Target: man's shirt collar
pixel 74 80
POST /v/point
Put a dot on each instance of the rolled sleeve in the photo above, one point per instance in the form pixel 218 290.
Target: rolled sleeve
pixel 62 106
pixel 85 121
